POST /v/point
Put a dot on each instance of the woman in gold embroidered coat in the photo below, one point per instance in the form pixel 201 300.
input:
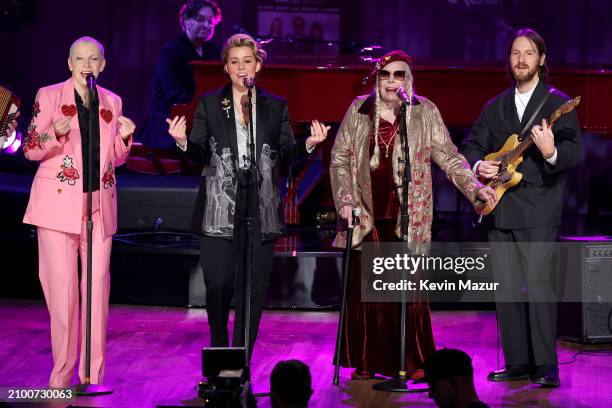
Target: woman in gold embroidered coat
pixel 364 165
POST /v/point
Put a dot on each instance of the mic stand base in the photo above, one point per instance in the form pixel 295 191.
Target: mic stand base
pixel 92 389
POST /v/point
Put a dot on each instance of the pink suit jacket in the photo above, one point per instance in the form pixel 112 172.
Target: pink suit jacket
pixel 56 199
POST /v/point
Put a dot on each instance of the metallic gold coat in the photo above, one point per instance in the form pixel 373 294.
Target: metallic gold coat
pixel 428 139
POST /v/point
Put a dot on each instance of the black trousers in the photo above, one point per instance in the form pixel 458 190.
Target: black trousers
pixel 524 263
pixel 223 279
pixel 223 263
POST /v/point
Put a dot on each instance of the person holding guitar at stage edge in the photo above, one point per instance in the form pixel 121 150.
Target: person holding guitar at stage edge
pixel 530 212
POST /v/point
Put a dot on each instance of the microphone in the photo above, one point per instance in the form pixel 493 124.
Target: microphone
pixel 91 82
pixel 403 95
pixel 248 82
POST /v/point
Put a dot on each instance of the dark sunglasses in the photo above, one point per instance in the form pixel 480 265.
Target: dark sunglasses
pixel 383 74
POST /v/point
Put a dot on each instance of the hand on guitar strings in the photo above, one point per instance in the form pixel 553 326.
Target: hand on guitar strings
pixel 544 139
pixel 488 169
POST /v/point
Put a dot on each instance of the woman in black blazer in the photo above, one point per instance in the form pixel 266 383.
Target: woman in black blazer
pixel 219 139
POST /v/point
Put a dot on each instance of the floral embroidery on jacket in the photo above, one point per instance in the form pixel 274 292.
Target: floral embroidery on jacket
pixel 34 140
pixel 67 172
pixel 108 179
pixel 35 109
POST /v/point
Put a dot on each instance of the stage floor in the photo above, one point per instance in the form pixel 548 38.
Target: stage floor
pixel 154 358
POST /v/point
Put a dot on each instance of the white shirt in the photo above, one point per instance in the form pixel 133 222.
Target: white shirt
pixel 521 100
pixel 242 138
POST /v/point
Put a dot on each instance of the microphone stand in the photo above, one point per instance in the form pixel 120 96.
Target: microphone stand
pixel 247 231
pixel 400 383
pixel 87 388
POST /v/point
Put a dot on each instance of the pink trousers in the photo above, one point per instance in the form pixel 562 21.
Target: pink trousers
pixel 58 254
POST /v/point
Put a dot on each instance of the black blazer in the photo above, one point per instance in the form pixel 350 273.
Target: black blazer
pixel 537 201
pixel 214 136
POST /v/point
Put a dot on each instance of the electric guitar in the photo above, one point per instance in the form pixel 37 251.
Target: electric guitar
pixel 510 157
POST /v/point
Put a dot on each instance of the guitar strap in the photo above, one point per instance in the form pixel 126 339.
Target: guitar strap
pixel 535 113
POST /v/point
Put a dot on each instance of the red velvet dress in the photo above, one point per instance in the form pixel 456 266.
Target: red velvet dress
pixel 371 334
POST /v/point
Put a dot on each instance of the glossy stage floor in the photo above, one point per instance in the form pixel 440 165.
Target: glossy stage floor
pixel 154 358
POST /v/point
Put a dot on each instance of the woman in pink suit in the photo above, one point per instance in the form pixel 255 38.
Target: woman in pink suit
pixel 58 138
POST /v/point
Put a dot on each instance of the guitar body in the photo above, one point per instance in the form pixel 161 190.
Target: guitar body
pixel 509 178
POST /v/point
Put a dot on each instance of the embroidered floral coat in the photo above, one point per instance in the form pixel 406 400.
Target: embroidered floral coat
pixel 56 199
pixel 428 139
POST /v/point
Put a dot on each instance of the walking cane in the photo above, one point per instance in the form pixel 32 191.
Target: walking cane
pixel 345 272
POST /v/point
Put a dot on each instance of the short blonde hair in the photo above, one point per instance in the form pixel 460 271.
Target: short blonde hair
pixel 87 39
pixel 243 40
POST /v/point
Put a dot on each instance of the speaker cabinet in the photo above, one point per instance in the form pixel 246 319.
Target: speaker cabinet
pixel 587 266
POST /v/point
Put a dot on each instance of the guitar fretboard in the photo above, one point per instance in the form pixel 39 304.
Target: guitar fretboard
pixel 527 141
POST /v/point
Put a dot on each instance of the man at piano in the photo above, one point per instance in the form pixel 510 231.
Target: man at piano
pixel 173 76
pixel 366 175
pixel 530 212
pixel 220 139
pixel 58 139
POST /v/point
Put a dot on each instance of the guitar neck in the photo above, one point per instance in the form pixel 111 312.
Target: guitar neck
pixel 527 141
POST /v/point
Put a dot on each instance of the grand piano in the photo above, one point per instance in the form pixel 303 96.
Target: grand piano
pixel 325 92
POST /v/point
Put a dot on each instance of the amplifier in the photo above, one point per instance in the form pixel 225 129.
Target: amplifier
pixel 588 266
pixel 153 202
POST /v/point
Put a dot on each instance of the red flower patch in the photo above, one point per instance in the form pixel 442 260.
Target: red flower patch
pixel 35 140
pixel 69 110
pixel 68 172
pixel 108 179
pixel 35 110
pixel 106 114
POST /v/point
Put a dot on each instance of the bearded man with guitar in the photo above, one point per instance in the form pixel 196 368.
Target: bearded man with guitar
pixel 530 211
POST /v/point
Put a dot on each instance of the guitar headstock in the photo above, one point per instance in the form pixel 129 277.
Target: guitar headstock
pixel 563 109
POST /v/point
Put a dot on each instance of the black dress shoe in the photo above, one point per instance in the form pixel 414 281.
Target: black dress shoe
pixel 547 376
pixel 512 373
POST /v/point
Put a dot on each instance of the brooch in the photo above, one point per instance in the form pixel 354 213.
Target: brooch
pixel 227 105
pixel 382 62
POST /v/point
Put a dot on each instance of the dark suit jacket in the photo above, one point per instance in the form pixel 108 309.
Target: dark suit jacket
pixel 537 201
pixel 173 83
pixel 213 142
